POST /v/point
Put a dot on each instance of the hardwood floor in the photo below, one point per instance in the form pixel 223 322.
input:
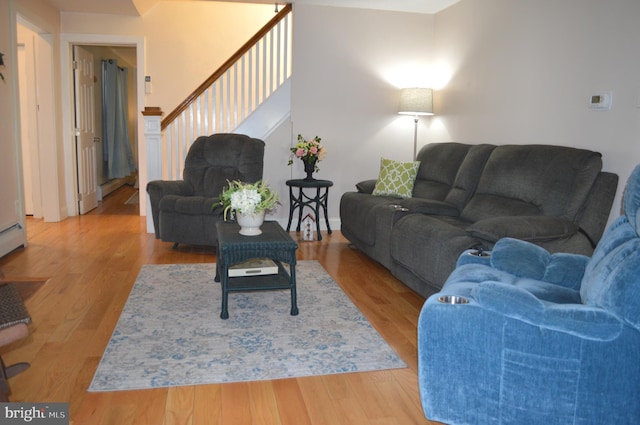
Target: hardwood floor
pixel 92 262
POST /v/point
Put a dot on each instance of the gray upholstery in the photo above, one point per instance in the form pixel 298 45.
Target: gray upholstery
pixel 467 195
pixel 182 210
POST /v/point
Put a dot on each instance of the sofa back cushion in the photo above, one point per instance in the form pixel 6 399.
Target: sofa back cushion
pixel 522 180
pixel 212 160
pixel 468 175
pixel 439 164
pixel 612 277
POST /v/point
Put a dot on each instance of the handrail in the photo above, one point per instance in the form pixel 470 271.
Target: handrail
pixel 226 66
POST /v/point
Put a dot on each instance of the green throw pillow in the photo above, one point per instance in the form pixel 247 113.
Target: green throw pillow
pixel 396 178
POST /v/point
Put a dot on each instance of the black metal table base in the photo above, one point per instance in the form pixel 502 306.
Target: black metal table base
pixel 316 203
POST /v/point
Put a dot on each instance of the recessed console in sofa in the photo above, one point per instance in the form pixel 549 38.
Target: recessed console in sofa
pixel 472 195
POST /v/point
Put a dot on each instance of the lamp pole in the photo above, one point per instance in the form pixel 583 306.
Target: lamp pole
pixel 415 137
pixel 416 101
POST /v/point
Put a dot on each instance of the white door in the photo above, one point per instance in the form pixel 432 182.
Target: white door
pixel 84 74
pixel 29 135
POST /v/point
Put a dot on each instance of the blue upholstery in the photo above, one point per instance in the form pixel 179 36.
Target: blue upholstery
pixel 544 338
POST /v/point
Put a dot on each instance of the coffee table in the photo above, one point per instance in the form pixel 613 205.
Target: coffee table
pixel 234 248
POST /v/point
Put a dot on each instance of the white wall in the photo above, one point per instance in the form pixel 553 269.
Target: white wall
pixel 522 71
pixel 506 71
pixel 510 71
pixel 348 68
pixel 12 232
pixel 40 15
pixel 184 43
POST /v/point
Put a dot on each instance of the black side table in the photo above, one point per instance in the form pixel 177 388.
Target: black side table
pixel 234 248
pixel 316 203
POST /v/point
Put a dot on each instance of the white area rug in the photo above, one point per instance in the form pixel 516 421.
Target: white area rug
pixel 170 332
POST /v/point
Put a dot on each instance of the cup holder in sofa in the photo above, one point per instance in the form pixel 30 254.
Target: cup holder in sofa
pixel 453 299
pixel 479 252
pixel 397 207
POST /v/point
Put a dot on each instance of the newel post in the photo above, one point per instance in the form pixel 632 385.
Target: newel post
pixel 153 143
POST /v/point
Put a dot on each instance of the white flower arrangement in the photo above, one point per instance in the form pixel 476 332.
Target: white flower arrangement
pixel 248 198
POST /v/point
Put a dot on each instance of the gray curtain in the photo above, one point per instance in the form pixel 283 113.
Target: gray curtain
pixel 118 156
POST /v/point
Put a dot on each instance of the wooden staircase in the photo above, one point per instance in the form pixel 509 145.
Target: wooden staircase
pixel 231 94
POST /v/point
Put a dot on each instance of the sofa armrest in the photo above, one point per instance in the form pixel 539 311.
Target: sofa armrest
pixel 169 187
pixel 575 319
pixel 528 228
pixel 159 188
pixel 366 186
pixel 527 260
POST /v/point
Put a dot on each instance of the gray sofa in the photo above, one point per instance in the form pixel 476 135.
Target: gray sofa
pixel 182 209
pixel 472 195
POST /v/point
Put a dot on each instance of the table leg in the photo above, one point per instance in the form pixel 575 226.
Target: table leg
pixel 318 206
pixel 292 207
pixel 324 207
pixel 300 208
pixel 224 314
pixel 294 296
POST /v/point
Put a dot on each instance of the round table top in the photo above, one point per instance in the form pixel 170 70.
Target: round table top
pixel 309 183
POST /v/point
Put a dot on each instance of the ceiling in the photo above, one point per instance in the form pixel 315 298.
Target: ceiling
pixel 140 7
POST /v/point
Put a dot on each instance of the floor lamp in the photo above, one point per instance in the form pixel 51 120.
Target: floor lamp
pixel 416 102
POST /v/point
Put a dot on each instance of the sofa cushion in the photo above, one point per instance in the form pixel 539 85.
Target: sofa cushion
pixel 427 246
pixel 188 205
pixel 222 152
pixel 526 260
pixel 468 175
pixel 534 180
pixel 631 199
pixel 216 179
pixel 610 276
pixel 440 165
pixel 528 228
pixel 610 279
pixel 359 213
pixel 520 259
pixel 396 178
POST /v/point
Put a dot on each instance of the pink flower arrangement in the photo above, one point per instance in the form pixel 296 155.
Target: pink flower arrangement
pixel 309 151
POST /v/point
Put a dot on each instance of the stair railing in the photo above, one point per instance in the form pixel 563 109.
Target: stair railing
pixel 230 94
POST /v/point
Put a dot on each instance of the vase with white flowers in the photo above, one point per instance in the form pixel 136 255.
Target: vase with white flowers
pixel 249 202
pixel 310 152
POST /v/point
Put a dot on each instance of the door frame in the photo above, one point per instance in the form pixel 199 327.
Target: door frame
pixel 45 141
pixel 67 41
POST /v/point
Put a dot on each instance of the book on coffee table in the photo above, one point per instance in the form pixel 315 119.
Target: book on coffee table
pixel 254 267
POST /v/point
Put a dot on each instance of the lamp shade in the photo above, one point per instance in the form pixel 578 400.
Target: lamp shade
pixel 416 101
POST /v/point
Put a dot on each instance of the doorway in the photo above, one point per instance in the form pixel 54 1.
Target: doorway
pixel 113 44
pixel 95 138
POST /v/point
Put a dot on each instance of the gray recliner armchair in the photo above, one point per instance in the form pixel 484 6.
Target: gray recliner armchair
pixel 183 209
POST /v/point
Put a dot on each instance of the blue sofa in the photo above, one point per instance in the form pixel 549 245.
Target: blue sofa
pixel 522 336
